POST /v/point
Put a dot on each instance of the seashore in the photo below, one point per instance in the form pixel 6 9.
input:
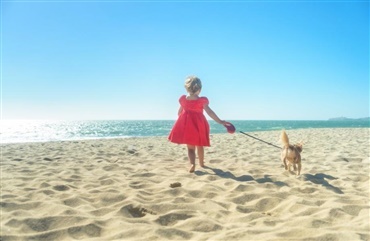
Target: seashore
pixel 140 189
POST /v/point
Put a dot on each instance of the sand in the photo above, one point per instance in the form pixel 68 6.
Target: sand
pixel 120 189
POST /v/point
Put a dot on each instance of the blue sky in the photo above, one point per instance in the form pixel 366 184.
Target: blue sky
pixel 270 60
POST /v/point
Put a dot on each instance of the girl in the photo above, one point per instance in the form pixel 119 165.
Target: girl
pixel 191 127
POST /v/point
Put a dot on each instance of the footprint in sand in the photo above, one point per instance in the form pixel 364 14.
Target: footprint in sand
pixel 172 218
pixel 61 188
pixel 176 184
pixel 135 212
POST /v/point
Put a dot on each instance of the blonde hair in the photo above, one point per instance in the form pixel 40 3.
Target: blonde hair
pixel 193 84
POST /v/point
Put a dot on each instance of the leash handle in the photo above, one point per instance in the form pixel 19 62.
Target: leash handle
pixel 268 143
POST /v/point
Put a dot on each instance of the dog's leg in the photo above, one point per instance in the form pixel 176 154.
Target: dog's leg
pixel 283 159
pixel 289 166
pixel 299 168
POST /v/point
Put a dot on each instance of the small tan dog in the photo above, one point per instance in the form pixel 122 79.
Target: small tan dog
pixel 291 154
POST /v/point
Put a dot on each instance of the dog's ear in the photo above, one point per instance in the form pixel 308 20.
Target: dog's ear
pixel 299 144
pixel 299 147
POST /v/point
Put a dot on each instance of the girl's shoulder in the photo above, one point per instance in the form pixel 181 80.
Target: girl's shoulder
pixel 182 97
pixel 204 100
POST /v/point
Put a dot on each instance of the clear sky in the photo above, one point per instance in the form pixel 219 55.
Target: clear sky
pixel 270 60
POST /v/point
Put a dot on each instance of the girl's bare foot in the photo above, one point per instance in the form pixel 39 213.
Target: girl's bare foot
pixel 200 151
pixel 192 168
pixel 201 163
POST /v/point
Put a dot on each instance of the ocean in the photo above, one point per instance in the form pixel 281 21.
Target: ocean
pixel 44 131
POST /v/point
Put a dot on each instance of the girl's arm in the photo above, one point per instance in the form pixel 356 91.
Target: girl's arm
pixel 213 115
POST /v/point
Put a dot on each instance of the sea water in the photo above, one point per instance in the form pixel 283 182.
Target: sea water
pixel 44 131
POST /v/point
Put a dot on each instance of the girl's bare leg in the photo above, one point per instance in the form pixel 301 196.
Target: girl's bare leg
pixel 200 150
pixel 191 155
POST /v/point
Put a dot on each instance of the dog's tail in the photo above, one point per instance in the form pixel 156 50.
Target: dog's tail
pixel 284 139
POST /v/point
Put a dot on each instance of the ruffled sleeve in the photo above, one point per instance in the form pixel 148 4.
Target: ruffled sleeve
pixel 182 98
pixel 205 100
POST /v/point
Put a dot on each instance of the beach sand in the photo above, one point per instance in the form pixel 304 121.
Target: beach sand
pixel 120 189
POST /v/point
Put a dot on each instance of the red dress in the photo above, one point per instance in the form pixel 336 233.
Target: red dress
pixel 191 127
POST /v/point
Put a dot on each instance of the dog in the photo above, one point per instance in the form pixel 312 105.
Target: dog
pixel 291 154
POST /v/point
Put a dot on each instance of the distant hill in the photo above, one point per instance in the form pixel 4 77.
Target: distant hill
pixel 349 119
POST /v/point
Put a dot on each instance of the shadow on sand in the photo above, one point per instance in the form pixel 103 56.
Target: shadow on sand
pixel 320 178
pixel 242 178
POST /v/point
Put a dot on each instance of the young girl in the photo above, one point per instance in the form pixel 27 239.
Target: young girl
pixel 191 127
